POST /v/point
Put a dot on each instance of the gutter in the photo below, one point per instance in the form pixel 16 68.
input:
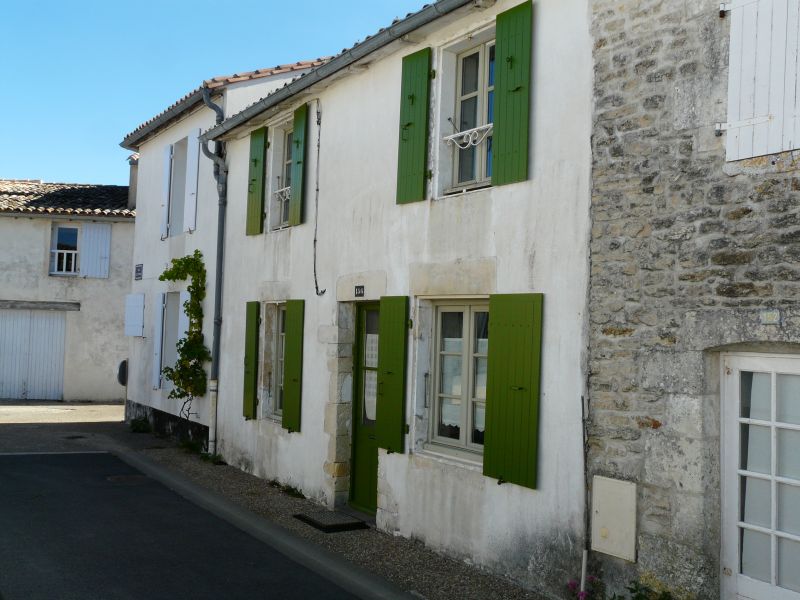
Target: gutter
pixel 221 177
pixel 340 62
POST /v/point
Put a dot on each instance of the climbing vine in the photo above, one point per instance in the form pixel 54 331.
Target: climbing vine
pixel 188 376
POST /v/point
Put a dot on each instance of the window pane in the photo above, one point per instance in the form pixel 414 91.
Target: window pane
pixel 469 114
pixel 756 454
pixel 469 73
pixel 370 395
pixel 287 160
pixel 490 107
pixel 756 555
pixel 788 393
pixel 466 164
pixel 789 453
pixel 450 418
pixel 788 561
pixel 67 238
pixel 481 333
pixel 756 501
pixel 450 379
pixel 789 508
pixel 756 396
pixel 452 331
pixel 491 65
pixel 371 339
pixel 285 212
pixel 478 422
pixel 480 378
pixel 489 157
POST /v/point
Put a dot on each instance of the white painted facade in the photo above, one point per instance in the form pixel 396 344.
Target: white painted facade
pixel 530 236
pixel 524 237
pixel 155 254
pixel 90 329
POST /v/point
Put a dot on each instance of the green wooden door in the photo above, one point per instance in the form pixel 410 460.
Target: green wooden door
pixel 364 473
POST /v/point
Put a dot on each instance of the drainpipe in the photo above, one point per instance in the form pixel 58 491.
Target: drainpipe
pixel 221 177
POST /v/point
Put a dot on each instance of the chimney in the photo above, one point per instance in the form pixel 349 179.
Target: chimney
pixel 133 161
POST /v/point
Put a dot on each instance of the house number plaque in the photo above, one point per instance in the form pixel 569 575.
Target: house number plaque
pixel 359 291
pixel 137 272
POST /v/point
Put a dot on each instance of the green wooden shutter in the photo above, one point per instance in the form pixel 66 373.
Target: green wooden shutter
pixel 250 394
pixel 512 92
pixel 512 393
pixel 293 365
pixel 392 340
pixel 255 182
pixel 412 154
pixel 299 137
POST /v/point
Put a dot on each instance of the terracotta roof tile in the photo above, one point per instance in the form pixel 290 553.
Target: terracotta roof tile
pixel 67 199
pixel 195 97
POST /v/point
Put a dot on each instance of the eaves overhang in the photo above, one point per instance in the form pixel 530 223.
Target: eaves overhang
pixel 340 62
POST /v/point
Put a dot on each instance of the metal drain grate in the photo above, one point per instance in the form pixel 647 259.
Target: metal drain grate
pixel 331 521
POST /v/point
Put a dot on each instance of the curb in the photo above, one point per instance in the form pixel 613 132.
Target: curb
pixel 349 577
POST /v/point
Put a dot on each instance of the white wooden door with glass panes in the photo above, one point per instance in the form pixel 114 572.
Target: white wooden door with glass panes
pixel 760 477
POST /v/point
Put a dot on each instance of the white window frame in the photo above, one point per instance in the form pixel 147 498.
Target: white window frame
pixel 280 194
pixel 479 136
pixel 278 358
pixel 445 102
pixel 271 348
pixel 733 582
pixel 55 253
pixel 468 398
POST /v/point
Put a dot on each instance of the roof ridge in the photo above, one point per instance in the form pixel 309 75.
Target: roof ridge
pixel 216 83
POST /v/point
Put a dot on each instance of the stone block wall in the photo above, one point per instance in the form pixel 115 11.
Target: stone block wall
pixel 686 252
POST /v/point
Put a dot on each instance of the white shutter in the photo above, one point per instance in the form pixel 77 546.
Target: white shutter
pixel 763 105
pixel 192 168
pixel 183 318
pixel 95 250
pixel 134 315
pixel 165 192
pixel 158 332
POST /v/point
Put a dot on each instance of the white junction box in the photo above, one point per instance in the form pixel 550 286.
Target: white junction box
pixel 614 517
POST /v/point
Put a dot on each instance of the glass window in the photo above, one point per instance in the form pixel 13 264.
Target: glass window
pixel 64 251
pixel 462 345
pixel 769 477
pixel 280 346
pixel 475 113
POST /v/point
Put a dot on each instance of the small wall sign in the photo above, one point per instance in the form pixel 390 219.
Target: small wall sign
pixel 137 272
pixel 359 291
pixel 770 316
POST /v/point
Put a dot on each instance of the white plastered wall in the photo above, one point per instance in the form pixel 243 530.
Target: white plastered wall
pixel 525 237
pixel 155 254
pixel 94 344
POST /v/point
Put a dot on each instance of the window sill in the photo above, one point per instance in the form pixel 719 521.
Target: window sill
pixel 64 274
pixel 453 456
pixel 464 190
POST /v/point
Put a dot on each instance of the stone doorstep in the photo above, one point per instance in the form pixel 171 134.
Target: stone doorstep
pixel 332 521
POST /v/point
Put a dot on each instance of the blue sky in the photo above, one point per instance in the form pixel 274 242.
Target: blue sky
pixel 80 74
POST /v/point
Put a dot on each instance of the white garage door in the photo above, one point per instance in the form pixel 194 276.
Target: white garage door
pixel 31 354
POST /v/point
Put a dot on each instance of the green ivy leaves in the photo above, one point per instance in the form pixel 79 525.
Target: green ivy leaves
pixel 189 375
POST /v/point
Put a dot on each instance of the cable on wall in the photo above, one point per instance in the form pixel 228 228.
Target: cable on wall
pixel 316 196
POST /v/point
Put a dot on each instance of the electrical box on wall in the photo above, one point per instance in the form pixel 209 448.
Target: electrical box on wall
pixel 614 517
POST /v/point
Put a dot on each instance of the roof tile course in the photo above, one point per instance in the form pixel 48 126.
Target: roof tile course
pixel 64 199
pixel 195 96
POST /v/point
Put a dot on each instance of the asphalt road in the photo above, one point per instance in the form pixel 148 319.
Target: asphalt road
pixel 87 525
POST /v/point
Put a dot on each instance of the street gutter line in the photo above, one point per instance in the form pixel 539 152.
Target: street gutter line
pixel 346 575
